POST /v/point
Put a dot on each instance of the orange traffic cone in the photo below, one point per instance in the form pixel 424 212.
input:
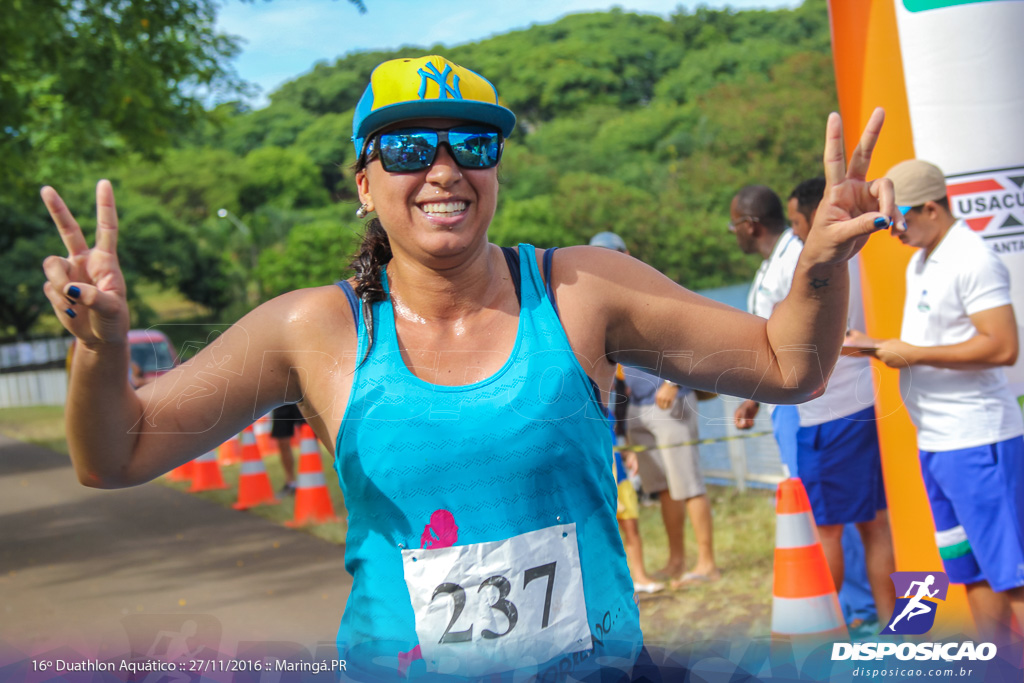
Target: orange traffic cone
pixel 312 499
pixel 230 452
pixel 264 441
pixel 804 600
pixel 182 472
pixel 253 483
pixel 206 474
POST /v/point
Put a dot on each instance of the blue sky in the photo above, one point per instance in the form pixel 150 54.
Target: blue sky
pixel 284 38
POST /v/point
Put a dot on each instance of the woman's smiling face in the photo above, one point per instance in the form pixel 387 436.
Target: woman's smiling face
pixel 442 210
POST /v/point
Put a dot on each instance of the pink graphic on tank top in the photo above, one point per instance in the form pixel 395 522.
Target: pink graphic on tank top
pixel 407 658
pixel 441 532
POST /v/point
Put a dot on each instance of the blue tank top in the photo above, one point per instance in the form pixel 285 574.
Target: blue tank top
pixel 482 525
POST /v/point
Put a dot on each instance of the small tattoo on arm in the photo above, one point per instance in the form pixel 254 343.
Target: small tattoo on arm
pixel 818 284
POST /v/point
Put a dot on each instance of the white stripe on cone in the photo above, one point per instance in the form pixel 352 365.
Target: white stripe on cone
pixel 800 616
pixel 251 467
pixel 795 530
pixel 310 480
pixel 207 457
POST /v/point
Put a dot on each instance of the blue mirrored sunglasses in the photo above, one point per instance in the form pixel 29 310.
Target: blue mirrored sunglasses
pixel 413 149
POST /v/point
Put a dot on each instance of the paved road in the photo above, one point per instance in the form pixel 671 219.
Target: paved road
pixel 150 569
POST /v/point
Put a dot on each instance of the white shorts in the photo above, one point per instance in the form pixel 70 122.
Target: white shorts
pixel 677 468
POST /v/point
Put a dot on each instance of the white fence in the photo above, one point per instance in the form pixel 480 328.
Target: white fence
pixel 33 388
pixel 32 373
pixel 737 459
pixel 34 352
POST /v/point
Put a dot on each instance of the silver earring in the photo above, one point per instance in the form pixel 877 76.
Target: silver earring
pixel 362 211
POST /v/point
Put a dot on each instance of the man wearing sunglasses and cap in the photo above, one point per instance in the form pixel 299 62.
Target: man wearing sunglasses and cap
pixel 959 329
pixel 461 384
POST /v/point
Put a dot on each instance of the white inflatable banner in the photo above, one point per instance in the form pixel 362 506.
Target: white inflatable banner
pixel 963 63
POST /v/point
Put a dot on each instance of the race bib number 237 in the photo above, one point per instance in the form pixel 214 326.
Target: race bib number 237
pixel 491 607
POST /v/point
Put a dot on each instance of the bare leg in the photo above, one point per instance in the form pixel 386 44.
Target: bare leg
pixel 284 445
pixel 880 563
pixel 1016 598
pixel 991 612
pixel 699 509
pixel 634 550
pixel 831 536
pixel 673 514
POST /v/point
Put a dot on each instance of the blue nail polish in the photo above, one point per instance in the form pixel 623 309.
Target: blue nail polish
pixel 71 314
pixel 71 301
pixel 881 222
pixel 74 291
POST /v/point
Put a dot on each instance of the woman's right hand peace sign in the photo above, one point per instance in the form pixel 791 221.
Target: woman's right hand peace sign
pixel 87 288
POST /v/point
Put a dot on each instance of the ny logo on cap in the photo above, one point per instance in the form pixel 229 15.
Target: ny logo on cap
pixel 441 78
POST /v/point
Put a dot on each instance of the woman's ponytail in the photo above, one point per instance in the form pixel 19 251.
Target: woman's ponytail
pixel 374 253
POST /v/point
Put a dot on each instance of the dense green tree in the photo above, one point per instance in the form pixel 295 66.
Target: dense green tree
pixel 277 125
pixel 192 183
pixel 87 81
pixel 90 79
pixel 280 177
pixel 327 142
pixel 316 252
pixel 333 89
pixel 612 58
pixel 21 278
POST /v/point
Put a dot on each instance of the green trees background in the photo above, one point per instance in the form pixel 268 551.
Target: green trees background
pixel 630 123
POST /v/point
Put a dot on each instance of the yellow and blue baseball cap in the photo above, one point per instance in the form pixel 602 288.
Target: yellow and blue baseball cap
pixel 424 87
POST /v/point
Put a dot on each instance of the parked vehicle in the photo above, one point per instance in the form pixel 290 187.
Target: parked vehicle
pixel 152 351
pixel 152 354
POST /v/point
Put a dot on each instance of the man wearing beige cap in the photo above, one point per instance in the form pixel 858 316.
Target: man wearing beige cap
pixel 958 329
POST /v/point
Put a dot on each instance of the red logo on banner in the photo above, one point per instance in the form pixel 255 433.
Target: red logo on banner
pixel 990 202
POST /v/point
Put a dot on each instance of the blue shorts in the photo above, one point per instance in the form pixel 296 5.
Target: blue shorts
pixel 977 497
pixel 785 423
pixel 841 468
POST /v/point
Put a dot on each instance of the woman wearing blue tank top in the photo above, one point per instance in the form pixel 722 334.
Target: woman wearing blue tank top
pixel 461 386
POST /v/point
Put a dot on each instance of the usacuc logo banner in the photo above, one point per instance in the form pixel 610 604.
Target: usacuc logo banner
pixel 915 611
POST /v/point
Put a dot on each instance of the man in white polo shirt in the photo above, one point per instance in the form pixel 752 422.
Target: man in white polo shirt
pixel 958 330
pixel 757 220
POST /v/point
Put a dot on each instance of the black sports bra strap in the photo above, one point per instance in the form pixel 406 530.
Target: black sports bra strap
pixel 548 256
pixel 352 300
pixel 512 259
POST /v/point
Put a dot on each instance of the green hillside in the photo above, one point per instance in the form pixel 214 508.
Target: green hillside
pixel 627 122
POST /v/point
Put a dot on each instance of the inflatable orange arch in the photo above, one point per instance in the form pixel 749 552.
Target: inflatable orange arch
pixel 869 73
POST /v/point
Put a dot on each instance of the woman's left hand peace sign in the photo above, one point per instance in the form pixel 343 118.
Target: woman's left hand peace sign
pixel 852 208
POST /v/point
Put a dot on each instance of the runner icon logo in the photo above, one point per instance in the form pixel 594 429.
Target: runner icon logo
pixel 915 610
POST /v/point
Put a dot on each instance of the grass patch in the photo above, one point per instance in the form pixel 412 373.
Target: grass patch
pixel 284 511
pixel 41 425
pixel 168 304
pixel 739 605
